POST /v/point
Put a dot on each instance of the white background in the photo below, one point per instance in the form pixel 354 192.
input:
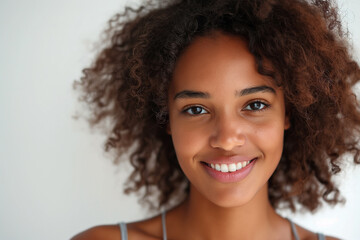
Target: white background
pixel 55 179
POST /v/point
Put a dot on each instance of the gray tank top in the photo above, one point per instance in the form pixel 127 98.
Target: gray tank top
pixel 163 221
pixel 124 229
pixel 296 236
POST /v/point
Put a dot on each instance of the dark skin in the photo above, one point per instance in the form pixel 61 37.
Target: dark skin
pixel 220 122
pixel 151 229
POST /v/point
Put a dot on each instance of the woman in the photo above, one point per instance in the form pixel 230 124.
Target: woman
pixel 230 109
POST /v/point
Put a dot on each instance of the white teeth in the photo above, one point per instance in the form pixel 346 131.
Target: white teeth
pixel 232 167
pixel 217 167
pixel 238 166
pixel 224 168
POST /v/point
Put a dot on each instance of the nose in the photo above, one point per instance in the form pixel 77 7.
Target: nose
pixel 228 133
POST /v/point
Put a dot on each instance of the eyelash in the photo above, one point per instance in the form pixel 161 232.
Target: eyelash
pixel 187 109
pixel 265 106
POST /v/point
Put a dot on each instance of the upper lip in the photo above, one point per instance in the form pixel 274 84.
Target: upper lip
pixel 229 159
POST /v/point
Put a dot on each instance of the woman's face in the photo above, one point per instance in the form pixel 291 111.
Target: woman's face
pixel 226 120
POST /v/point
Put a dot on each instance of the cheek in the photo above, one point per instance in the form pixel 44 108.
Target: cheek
pixel 270 139
pixel 187 141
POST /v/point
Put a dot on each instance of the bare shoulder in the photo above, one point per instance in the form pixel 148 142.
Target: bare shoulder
pixel 104 232
pixel 331 238
pixel 149 229
pixel 306 234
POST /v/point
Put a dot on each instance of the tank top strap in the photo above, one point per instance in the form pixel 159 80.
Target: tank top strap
pixel 123 229
pixel 296 236
pixel 293 230
pixel 321 236
pixel 163 220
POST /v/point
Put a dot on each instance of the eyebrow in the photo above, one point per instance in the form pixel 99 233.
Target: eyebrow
pixel 191 94
pixel 243 92
pixel 252 90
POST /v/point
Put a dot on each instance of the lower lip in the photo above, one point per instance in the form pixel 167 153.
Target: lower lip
pixel 229 177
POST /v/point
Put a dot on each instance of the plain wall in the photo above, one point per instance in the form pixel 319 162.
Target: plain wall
pixel 55 179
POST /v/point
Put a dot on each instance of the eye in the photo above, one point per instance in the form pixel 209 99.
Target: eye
pixel 195 110
pixel 256 106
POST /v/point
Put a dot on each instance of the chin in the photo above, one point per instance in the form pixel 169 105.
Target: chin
pixel 229 199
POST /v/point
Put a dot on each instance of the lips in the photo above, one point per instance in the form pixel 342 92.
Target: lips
pixel 229 169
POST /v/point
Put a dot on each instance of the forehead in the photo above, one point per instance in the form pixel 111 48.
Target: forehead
pixel 215 61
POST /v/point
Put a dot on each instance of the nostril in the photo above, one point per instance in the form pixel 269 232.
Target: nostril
pixel 227 142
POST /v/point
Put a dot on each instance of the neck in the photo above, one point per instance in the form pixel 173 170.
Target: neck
pixel 203 219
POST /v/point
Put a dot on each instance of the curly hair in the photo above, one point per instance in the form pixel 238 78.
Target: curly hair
pixel 310 59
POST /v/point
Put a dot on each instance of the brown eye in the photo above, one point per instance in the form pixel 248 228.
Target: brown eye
pixel 195 110
pixel 256 106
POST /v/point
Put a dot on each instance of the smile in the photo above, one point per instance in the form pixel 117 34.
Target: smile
pixel 231 171
pixel 232 167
